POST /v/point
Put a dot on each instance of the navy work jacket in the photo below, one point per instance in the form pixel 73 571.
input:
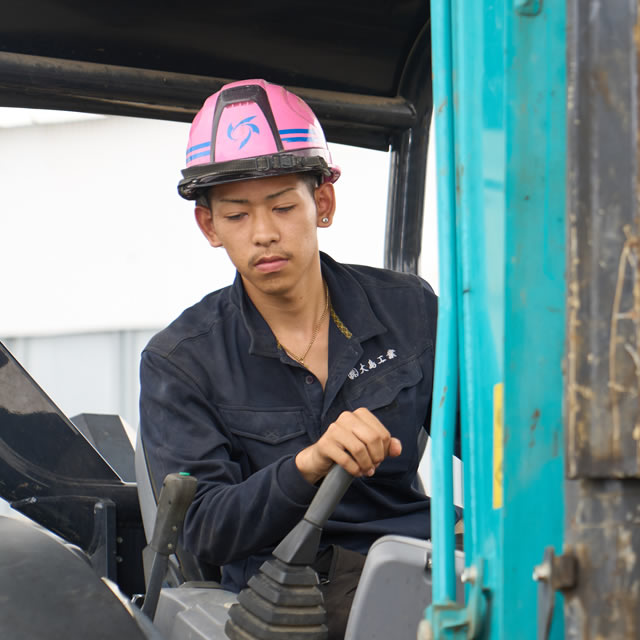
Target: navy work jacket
pixel 221 401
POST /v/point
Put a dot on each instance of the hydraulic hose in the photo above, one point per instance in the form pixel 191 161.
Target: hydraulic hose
pixel 445 387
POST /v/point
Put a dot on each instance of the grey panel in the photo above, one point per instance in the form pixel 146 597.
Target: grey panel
pixel 395 565
pixel 146 496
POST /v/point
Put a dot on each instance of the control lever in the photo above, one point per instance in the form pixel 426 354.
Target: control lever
pixel 178 490
pixel 282 600
pixel 300 546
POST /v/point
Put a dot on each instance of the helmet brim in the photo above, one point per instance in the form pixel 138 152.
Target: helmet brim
pixel 204 176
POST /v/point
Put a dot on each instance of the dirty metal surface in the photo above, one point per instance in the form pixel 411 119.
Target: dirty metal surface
pixel 604 537
pixel 603 314
pixel 602 378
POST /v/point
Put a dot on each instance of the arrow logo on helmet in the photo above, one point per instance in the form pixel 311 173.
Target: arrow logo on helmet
pixel 249 127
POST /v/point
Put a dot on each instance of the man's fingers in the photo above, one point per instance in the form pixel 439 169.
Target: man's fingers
pixel 395 448
pixel 368 418
pixel 374 444
pixel 341 457
pixel 376 433
pixel 357 441
pixel 358 449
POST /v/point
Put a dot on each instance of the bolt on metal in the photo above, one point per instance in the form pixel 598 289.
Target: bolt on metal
pixel 425 630
pixel 542 572
pixel 470 575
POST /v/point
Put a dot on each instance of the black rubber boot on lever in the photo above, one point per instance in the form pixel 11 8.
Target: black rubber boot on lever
pixel 283 601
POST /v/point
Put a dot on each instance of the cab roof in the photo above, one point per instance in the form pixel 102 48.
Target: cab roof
pixel 358 63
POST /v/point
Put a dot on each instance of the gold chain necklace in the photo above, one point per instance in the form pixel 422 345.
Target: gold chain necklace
pixel 316 331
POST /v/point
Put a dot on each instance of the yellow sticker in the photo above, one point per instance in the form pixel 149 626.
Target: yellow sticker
pixel 498 446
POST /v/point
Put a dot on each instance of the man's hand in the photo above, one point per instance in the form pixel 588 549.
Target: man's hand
pixel 357 441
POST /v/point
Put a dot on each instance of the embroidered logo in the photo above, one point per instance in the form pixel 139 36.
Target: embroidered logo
pixel 234 132
pixel 372 364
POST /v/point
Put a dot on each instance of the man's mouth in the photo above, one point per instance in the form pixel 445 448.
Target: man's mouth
pixel 268 264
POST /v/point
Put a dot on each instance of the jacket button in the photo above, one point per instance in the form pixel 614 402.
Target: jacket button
pixel 309 379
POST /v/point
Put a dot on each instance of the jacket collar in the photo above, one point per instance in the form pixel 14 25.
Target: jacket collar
pixel 348 298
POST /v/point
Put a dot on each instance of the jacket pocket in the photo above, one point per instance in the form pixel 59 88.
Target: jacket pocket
pixel 265 436
pixel 380 391
pixel 270 426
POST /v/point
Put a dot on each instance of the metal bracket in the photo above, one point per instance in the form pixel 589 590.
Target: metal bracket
pixel 556 573
pixel 102 548
pixel 528 7
pixel 455 622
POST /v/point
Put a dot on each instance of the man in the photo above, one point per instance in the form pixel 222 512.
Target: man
pixel 302 363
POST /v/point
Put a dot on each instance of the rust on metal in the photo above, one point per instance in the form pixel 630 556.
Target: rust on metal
pixel 624 381
pixel 444 396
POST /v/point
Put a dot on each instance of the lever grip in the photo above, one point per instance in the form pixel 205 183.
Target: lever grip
pixel 333 487
pixel 300 545
pixel 177 494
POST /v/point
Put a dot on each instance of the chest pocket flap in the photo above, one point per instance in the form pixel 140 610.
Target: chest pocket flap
pixel 382 389
pixel 271 426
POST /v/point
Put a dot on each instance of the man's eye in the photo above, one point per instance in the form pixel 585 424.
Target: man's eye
pixel 235 216
pixel 284 209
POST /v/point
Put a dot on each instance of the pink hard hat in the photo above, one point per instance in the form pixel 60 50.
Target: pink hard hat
pixel 253 129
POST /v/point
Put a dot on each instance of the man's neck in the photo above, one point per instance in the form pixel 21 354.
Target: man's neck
pixel 295 312
pixel 299 320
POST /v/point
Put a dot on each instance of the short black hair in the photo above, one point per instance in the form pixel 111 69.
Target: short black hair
pixel 312 180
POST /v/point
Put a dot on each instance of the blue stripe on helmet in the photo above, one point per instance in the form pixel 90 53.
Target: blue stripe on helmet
pixel 197 155
pixel 286 131
pixel 195 147
pixel 298 139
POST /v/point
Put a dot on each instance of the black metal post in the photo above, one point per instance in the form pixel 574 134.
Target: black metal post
pixel 408 166
pixel 405 205
pixel 53 83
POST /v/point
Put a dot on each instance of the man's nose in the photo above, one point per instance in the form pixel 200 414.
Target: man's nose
pixel 265 230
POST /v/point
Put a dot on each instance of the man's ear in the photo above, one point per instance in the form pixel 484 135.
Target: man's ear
pixel 325 197
pixel 204 218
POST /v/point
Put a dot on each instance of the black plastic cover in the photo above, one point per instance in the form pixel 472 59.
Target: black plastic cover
pixel 108 435
pixel 50 472
pixel 49 592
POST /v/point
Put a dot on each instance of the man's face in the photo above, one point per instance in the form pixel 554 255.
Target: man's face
pixel 268 227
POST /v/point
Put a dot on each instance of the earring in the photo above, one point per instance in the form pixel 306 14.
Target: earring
pixel 325 220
